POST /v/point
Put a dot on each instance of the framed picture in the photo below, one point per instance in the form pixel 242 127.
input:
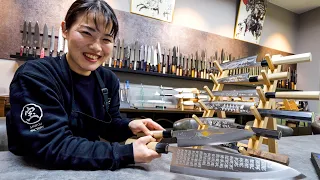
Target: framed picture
pixel 250 20
pixel 158 9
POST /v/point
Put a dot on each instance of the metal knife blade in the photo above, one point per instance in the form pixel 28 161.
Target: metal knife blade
pixel 24 38
pixel 240 93
pixel 44 42
pixel 118 48
pixel 60 42
pixel 52 42
pixel 245 78
pixel 136 54
pixel 122 50
pixel 29 39
pixel 142 57
pixel 36 39
pixel 213 164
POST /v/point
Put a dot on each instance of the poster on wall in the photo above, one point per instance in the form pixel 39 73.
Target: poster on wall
pixel 250 20
pixel 158 9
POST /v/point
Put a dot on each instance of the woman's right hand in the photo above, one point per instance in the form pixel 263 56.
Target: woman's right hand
pixel 141 152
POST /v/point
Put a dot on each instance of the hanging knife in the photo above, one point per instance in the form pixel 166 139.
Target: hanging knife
pixel 189 66
pixel 29 39
pixel 181 64
pixel 152 60
pixel 117 53
pixel 131 58
pixel 193 66
pixel 148 59
pixel 185 66
pixel 244 108
pixel 121 56
pixel 60 42
pixel 136 55
pixel 213 164
pixel 245 78
pixel 36 40
pixel 142 58
pixel 145 58
pixel 44 43
pixel 127 57
pixel 174 60
pixel 155 60
pixel 159 58
pixel 52 43
pixel 165 61
pixel 24 38
pixel 178 61
pixel 169 69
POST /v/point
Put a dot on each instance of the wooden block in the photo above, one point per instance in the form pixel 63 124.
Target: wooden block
pixel 279 158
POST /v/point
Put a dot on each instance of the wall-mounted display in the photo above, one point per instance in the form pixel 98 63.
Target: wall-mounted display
pixel 250 20
pixel 158 9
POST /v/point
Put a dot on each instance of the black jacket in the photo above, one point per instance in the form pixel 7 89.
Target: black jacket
pixel 43 122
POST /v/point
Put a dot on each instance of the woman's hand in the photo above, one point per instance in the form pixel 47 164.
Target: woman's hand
pixel 144 125
pixel 141 152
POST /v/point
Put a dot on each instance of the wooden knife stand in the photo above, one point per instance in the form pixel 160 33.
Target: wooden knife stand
pixel 254 142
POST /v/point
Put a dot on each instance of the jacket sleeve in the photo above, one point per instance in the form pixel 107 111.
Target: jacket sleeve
pixel 119 129
pixel 53 142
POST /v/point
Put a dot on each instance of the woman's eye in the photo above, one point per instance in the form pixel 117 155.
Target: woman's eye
pixel 86 33
pixel 107 40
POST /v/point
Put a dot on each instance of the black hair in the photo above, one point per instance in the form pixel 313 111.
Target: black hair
pixel 96 7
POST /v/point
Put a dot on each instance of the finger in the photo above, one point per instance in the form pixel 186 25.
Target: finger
pixel 146 139
pixel 154 125
pixel 145 130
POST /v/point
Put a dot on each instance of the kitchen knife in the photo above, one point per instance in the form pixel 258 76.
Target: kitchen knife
pixel 127 57
pixel 136 55
pixel 24 38
pixel 52 43
pixel 252 61
pixel 131 58
pixel 145 58
pixel 213 164
pixel 159 58
pixel 44 43
pixel 121 54
pixel 174 60
pixel 178 61
pixel 244 108
pixel 245 78
pixel 116 53
pixel 142 58
pixel 165 62
pixel 29 39
pixel 149 56
pixel 235 93
pixel 193 66
pixel 36 40
pixel 170 61
pixel 60 42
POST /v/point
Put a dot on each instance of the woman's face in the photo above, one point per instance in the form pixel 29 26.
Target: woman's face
pixel 89 45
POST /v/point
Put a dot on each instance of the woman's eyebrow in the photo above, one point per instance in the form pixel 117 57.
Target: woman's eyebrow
pixel 94 30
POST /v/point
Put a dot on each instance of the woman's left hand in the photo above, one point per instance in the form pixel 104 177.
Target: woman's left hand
pixel 144 125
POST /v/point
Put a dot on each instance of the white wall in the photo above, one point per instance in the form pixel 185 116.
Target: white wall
pixel 308 40
pixel 219 17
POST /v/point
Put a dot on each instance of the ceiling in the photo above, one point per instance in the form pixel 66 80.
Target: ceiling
pixel 297 6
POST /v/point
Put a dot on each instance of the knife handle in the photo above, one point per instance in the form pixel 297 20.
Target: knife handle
pixel 274 134
pixel 42 53
pixel 27 51
pixel 21 50
pixel 306 95
pixel 158 134
pixel 34 52
pixel 51 53
pixel 158 147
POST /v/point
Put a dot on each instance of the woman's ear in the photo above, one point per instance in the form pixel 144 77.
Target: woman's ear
pixel 64 29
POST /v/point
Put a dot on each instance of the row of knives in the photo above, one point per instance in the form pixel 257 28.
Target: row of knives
pixel 31 41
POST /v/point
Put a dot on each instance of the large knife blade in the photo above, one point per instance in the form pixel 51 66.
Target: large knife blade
pixel 52 42
pixel 36 40
pixel 44 42
pixel 213 164
pixel 24 38
pixel 60 42
pixel 136 55
pixel 240 93
pixel 165 61
pixel 245 78
pixel 252 61
pixel 244 108
pixel 159 58
pixel 116 53
pixel 121 56
pixel 142 57
pixel 29 39
pixel 174 60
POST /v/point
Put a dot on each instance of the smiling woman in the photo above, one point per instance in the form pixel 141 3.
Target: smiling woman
pixel 62 106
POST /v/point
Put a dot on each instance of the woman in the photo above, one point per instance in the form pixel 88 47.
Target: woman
pixel 60 107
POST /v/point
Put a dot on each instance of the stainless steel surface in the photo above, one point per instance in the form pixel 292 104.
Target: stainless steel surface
pixel 44 43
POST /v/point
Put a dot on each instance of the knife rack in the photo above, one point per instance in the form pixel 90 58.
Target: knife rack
pixel 254 142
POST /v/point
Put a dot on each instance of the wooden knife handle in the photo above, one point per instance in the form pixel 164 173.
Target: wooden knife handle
pixel 158 147
pixel 21 50
pixel 305 95
pixel 158 134
pixel 279 158
pixel 293 59
pixel 272 77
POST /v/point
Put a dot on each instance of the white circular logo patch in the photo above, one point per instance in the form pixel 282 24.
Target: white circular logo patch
pixel 31 114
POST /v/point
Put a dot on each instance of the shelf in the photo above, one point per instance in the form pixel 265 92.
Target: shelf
pixel 124 70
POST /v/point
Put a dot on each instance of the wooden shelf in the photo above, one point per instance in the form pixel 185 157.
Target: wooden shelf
pixel 124 70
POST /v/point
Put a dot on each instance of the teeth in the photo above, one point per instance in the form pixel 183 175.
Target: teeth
pixel 91 56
